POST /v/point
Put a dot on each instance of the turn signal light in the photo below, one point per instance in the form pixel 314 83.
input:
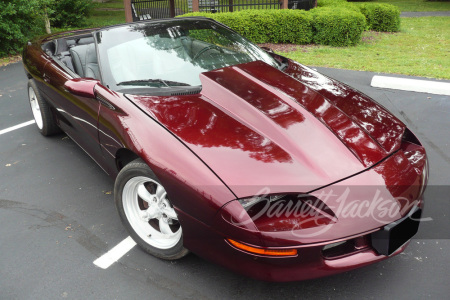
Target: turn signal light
pixel 261 251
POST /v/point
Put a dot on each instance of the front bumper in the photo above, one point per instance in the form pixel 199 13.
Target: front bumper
pixel 398 183
pixel 312 261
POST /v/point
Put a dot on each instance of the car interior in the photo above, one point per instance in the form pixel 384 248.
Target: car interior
pixel 160 56
pixel 78 54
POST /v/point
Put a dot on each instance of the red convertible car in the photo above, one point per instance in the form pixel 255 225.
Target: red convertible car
pixel 240 155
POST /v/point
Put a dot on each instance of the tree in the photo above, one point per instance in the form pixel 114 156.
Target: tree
pixel 70 13
pixel 18 22
pixel 63 13
pixel 45 9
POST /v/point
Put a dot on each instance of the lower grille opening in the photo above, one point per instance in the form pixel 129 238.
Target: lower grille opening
pixel 345 248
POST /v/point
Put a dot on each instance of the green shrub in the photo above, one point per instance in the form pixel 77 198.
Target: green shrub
pixel 338 3
pixel 243 23
pixel 336 26
pixel 267 26
pixel 18 22
pixel 292 26
pixel 70 13
pixel 381 17
pixel 322 3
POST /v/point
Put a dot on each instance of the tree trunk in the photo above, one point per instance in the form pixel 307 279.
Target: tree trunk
pixel 47 22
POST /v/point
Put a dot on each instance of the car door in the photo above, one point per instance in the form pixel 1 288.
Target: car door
pixel 77 115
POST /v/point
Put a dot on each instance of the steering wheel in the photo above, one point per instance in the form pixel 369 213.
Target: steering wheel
pixel 207 48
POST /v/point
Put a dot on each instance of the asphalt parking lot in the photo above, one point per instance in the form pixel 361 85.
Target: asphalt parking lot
pixel 57 216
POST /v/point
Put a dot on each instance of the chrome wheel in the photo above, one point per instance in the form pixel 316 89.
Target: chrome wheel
pixel 35 108
pixel 150 213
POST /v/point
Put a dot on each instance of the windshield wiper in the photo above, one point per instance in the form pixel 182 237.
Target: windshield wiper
pixel 167 83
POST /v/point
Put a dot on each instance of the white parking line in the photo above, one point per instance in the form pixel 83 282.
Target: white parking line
pixel 16 127
pixel 413 85
pixel 113 255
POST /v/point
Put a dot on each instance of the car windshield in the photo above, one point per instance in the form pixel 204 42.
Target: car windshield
pixel 170 54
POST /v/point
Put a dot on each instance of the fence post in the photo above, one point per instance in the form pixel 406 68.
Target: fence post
pixel 172 8
pixel 128 13
pixel 230 3
pixel 284 4
pixel 195 5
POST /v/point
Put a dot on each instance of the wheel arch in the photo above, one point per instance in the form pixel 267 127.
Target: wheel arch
pixel 191 184
pixel 123 157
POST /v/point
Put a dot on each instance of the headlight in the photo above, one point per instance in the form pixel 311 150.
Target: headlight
pixel 283 212
pixel 249 202
pixel 409 137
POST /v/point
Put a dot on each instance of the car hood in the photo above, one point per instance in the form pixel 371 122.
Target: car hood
pixel 261 130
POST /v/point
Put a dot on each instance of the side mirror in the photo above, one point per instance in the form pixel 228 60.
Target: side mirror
pixel 83 87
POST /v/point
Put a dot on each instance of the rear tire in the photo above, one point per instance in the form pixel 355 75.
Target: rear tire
pixel 41 111
pixel 146 212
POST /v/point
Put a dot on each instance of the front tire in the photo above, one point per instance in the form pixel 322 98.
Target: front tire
pixel 41 111
pixel 146 212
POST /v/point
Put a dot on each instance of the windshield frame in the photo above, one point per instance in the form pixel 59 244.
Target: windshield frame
pixel 104 64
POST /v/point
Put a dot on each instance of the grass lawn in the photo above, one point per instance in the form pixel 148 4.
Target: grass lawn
pixel 117 4
pixel 422 48
pixel 416 5
pixel 100 18
pixel 107 13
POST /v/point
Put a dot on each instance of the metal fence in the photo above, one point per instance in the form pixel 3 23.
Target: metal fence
pixel 159 9
pixel 236 5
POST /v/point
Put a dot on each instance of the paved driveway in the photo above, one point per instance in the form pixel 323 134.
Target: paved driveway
pixel 57 216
